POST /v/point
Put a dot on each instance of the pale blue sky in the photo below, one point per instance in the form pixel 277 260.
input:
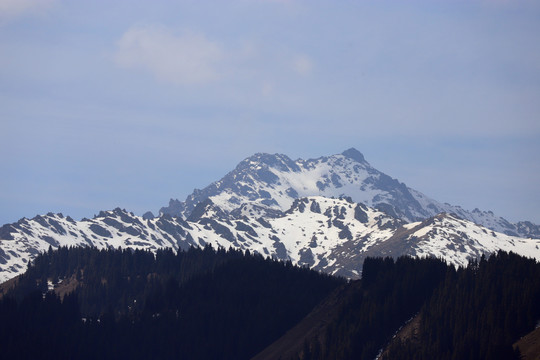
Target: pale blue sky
pixel 130 103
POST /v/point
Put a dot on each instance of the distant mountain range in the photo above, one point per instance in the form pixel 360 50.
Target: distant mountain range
pixel 328 213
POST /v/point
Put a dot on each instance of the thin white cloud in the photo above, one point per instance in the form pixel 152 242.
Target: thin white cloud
pixel 10 9
pixel 302 65
pixel 183 59
pixel 190 58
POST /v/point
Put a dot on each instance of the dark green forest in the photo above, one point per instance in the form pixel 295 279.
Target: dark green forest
pixel 476 312
pixel 225 304
pixel 198 304
pixel 390 292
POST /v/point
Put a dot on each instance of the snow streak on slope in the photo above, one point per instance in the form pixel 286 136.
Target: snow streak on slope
pixel 458 241
pixel 453 239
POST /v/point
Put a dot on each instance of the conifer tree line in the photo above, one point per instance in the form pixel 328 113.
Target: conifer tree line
pixel 476 312
pixel 390 292
pixel 198 304
pixel 225 304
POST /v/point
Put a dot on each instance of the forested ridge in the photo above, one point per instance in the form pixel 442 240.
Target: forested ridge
pixel 476 312
pixel 199 304
pixel 225 304
pixel 372 309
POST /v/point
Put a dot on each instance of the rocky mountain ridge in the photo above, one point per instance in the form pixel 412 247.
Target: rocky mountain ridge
pixel 328 213
pixel 330 235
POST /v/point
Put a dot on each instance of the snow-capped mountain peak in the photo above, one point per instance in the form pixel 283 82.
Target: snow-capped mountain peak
pixel 271 182
pixel 327 213
pixel 274 181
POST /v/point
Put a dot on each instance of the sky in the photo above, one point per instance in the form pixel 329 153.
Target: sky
pixel 127 104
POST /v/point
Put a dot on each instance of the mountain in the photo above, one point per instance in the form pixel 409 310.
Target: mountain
pixel 328 213
pixel 330 235
pixel 335 214
pixel 270 183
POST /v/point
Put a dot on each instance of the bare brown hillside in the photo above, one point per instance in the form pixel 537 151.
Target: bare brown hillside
pixel 529 345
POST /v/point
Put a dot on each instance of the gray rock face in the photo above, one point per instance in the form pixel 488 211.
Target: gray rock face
pixel 528 229
pixel 148 215
pixel 354 154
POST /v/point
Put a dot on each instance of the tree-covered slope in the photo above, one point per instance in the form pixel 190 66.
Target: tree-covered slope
pixel 365 313
pixel 199 304
pixel 208 304
pixel 477 312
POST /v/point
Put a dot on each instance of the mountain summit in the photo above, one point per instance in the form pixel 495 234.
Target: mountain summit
pixel 273 182
pixel 269 183
pixel 354 154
